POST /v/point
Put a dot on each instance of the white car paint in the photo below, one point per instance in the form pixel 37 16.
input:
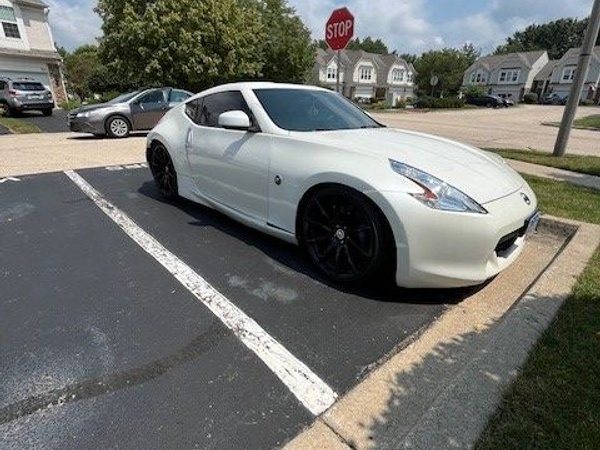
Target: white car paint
pixel 233 171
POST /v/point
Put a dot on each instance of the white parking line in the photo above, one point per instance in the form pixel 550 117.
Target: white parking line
pixel 312 392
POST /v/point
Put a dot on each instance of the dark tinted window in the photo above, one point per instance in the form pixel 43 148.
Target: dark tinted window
pixel 2 85
pixel 178 96
pixel 312 110
pixel 21 86
pixel 206 111
pixel 153 97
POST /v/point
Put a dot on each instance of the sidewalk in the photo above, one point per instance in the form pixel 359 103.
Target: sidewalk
pixel 580 179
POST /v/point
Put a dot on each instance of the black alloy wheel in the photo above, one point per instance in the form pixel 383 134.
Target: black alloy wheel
pixel 344 235
pixel 163 171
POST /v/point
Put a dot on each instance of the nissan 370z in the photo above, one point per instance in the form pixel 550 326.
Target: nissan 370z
pixel 308 166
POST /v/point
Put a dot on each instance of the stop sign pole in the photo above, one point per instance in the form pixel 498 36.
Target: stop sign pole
pixel 339 29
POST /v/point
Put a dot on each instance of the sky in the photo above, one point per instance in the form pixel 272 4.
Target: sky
pixel 409 26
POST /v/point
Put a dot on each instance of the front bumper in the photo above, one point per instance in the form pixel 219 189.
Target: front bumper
pixel 437 249
pixel 85 125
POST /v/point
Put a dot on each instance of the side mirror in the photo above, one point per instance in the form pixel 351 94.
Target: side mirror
pixel 234 120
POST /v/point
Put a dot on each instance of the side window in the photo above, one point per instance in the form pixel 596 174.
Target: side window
pixel 153 97
pixel 2 85
pixel 216 104
pixel 178 96
pixel 193 108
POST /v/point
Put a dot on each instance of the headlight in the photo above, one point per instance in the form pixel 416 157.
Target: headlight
pixel 436 193
pixel 83 115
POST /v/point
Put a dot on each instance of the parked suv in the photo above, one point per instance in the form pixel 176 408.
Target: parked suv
pixel 134 111
pixel 23 94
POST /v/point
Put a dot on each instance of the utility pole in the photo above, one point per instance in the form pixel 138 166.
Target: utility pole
pixel 581 73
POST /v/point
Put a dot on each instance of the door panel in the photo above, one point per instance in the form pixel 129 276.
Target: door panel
pixel 230 167
pixel 148 110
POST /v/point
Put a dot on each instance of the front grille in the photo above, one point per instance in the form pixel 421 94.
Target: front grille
pixel 509 240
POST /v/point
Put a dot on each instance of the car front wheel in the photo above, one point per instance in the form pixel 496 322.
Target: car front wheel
pixel 163 171
pixel 118 127
pixel 344 235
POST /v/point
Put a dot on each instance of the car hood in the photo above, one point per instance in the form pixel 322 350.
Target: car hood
pixel 96 107
pixel 482 176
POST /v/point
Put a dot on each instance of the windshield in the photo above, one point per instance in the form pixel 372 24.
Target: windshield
pixel 312 110
pixel 124 97
pixel 29 86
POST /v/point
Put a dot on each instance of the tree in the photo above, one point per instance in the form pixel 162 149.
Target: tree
pixel 369 45
pixel 409 57
pixel 185 43
pixel 79 67
pixel 289 53
pixel 556 37
pixel 448 64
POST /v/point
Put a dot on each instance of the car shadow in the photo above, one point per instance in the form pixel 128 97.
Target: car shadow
pixel 293 258
pixel 92 137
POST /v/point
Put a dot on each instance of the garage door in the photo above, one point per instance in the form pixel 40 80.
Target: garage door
pixel 36 76
pixel 363 91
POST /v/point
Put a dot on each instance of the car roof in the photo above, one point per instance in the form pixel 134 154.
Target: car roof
pixel 245 85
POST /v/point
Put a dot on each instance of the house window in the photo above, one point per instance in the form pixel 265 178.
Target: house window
pixel 478 77
pixel 9 22
pixel 398 75
pixel 331 73
pixel 410 77
pixel 365 73
pixel 509 76
pixel 568 74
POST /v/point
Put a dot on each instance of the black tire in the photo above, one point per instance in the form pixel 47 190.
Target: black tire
pixel 118 127
pixel 163 171
pixel 47 112
pixel 345 235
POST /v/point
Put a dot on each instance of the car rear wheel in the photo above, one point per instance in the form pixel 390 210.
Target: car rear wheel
pixel 118 127
pixel 163 171
pixel 344 235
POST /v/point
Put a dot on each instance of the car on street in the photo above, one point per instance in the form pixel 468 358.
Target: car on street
pixel 134 111
pixel 25 94
pixel 307 166
pixel 553 99
pixel 489 101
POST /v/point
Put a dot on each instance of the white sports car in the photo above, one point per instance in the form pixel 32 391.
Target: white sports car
pixel 306 165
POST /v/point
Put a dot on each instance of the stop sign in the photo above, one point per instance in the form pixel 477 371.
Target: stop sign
pixel 339 29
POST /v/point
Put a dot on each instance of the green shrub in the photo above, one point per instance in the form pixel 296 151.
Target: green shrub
pixel 380 105
pixel 439 103
pixel 474 91
pixel 69 105
pixel 108 96
pixel 531 98
pixel 400 103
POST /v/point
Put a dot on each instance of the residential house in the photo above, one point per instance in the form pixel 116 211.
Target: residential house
pixel 27 47
pixel 366 75
pixel 509 75
pixel 542 80
pixel 563 74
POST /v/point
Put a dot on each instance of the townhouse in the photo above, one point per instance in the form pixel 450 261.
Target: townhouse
pixel 511 75
pixel 27 47
pixel 366 75
pixel 561 77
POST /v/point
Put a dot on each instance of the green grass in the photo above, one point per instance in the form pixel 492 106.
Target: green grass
pixel 555 401
pixel 584 123
pixel 589 122
pixel 575 163
pixel 18 126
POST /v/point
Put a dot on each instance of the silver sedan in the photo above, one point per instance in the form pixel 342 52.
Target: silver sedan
pixel 134 111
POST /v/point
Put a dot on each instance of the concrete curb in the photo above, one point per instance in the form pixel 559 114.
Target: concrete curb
pixel 442 389
pixel 551 173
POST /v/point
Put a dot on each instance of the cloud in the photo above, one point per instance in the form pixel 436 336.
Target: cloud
pixel 74 22
pixel 410 26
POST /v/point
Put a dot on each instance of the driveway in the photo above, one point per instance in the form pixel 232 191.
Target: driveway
pixel 38 153
pixel 56 123
pixel 519 128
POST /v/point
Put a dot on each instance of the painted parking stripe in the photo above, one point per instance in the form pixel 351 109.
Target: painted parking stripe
pixel 312 392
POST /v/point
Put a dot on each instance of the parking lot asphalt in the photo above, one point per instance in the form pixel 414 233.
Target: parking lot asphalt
pixel 102 345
